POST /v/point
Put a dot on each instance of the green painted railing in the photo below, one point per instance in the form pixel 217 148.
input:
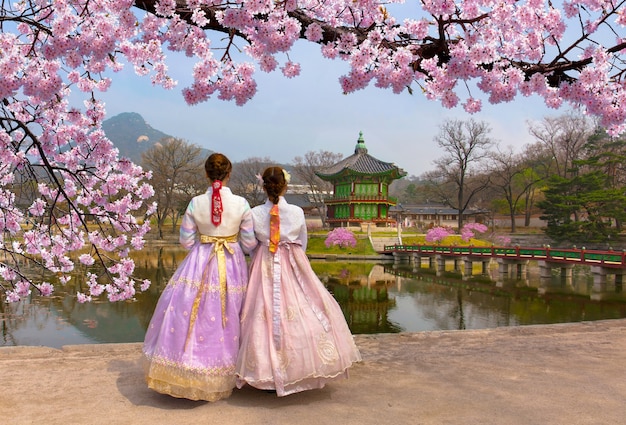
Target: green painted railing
pixel 614 259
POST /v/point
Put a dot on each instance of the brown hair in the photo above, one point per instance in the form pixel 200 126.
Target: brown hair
pixel 217 166
pixel 274 183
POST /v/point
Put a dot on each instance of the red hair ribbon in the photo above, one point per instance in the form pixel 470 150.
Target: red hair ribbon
pixel 216 203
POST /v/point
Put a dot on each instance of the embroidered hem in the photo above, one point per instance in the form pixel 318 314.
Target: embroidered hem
pixel 311 382
pixel 182 383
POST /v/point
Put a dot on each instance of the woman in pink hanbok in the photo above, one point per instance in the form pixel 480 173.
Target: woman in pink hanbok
pixel 294 336
pixel 192 341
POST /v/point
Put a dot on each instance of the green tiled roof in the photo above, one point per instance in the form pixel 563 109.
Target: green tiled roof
pixel 361 163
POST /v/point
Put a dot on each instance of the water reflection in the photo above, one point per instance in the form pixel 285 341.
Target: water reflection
pixel 375 298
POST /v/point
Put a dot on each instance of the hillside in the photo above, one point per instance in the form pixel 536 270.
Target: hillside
pixel 131 134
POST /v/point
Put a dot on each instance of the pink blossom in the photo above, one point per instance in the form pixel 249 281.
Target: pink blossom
pixel 469 230
pixel 86 259
pixel 22 288
pixel 82 298
pixel 96 290
pixel 12 296
pixel 313 32
pixel 472 105
pixel 45 289
pixel 145 284
pixel 340 237
pixel 291 69
pixel 437 234
pixel 502 240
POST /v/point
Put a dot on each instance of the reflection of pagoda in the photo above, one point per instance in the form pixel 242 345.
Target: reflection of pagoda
pixel 365 308
pixel 364 299
pixel 360 189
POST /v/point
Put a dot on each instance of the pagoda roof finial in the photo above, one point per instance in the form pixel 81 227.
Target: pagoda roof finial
pixel 360 145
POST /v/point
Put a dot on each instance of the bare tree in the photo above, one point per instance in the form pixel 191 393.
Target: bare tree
pixel 457 178
pixel 512 176
pixel 306 166
pixel 244 181
pixel 538 159
pixel 564 137
pixel 175 166
pixel 191 184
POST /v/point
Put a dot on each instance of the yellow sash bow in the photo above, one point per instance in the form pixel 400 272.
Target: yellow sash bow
pixel 219 244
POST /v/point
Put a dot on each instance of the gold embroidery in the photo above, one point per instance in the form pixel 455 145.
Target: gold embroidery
pixel 326 350
pixel 195 383
pixel 283 360
pixel 251 354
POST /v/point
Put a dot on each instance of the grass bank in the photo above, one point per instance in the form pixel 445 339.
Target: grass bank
pixel 317 245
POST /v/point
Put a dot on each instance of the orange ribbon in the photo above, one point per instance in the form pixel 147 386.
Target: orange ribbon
pixel 274 228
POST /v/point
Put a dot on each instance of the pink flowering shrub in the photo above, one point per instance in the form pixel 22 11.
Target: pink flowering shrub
pixel 502 240
pixel 470 229
pixel 340 237
pixel 437 234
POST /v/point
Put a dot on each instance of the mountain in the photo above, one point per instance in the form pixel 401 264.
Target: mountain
pixel 131 134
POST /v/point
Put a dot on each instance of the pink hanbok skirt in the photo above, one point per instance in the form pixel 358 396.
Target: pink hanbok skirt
pixel 294 336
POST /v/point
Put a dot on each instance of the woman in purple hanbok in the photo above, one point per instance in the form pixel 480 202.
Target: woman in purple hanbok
pixel 294 336
pixel 192 341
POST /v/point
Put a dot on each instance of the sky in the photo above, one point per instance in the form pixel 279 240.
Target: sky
pixel 289 117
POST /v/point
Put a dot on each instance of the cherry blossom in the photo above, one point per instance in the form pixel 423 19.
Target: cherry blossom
pixel 64 189
pixel 437 234
pixel 340 237
pixel 469 230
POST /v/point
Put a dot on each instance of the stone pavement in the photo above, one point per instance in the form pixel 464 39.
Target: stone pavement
pixel 548 374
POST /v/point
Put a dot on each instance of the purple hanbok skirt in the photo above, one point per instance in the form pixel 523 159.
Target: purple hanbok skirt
pixel 191 345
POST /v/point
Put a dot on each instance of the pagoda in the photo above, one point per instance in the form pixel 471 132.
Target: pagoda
pixel 360 189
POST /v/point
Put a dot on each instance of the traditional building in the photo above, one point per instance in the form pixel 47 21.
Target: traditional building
pixel 360 189
pixel 427 216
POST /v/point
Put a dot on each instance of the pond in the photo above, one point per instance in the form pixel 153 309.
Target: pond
pixel 375 298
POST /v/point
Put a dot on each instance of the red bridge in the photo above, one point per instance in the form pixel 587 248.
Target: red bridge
pixel 601 262
pixel 611 259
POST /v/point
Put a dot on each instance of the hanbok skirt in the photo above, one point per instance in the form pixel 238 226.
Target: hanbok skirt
pixel 294 336
pixel 190 348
